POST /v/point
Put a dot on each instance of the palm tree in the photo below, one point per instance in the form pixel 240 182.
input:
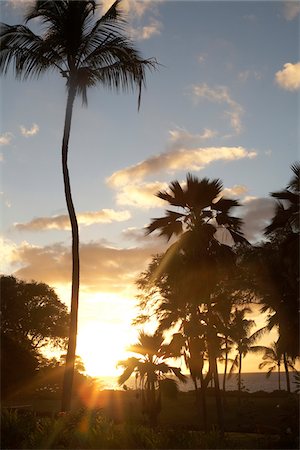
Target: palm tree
pixel 86 51
pixel 240 329
pixel 286 216
pixel 202 255
pixel 282 255
pixel 272 359
pixel 150 369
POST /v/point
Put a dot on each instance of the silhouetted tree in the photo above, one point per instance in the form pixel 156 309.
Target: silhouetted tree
pixel 272 359
pixel 86 50
pixel 19 363
pixel 32 314
pixel 150 369
pixel 201 256
pixel 243 340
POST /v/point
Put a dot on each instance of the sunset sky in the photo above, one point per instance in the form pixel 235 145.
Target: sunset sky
pixel 223 104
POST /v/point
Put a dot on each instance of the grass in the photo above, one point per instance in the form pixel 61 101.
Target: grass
pixel 264 421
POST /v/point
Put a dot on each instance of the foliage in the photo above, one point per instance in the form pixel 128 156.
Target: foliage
pixel 151 369
pixel 31 313
pixel 32 316
pixel 92 430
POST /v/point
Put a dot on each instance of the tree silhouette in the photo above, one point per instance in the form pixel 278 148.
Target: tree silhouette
pixel 272 359
pixel 240 334
pixel 86 51
pixel 283 232
pixel 32 314
pixel 201 256
pixel 150 369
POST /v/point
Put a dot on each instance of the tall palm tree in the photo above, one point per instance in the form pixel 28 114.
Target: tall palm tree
pixel 151 369
pixel 202 255
pixel 283 232
pixel 86 50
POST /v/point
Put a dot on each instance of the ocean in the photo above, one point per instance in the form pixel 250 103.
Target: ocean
pixel 251 382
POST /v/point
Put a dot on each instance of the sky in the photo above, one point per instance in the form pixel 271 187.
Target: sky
pixel 224 103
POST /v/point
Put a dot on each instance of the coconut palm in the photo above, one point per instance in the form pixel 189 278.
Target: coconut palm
pixel 282 258
pixel 240 334
pixel 151 369
pixel 202 255
pixel 86 50
pixel 272 359
pixel 287 215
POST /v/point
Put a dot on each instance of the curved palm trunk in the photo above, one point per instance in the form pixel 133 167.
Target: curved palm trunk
pixel 70 359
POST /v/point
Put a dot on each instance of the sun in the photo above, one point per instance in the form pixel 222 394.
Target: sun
pixel 102 345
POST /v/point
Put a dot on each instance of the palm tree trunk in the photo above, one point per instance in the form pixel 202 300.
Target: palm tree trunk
pixel 70 359
pixel 226 364
pixel 279 387
pixel 239 378
pixel 203 401
pixel 287 375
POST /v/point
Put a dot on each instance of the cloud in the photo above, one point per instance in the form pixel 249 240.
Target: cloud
pixel 220 94
pixel 180 137
pixel 5 200
pixel 130 7
pixel 181 159
pixel 103 268
pixel 291 9
pixel 244 75
pixel 237 190
pixel 257 213
pixel 202 58
pixel 28 132
pixel 289 77
pixel 5 138
pixel 141 195
pixel 153 28
pixel 62 222
pixel 8 255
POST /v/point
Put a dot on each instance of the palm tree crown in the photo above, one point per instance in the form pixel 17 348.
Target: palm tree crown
pixel 84 49
pixel 201 205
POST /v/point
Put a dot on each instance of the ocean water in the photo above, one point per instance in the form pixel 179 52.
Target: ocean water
pixel 251 382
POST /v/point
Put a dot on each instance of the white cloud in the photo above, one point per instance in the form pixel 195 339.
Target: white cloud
pixel 180 137
pixel 202 58
pixel 220 94
pixel 141 195
pixel 28 132
pixel 130 7
pixel 8 255
pixel 257 213
pixel 181 159
pixel 5 138
pixel 5 200
pixel 244 75
pixel 62 222
pixel 291 9
pixel 289 77
pixel 153 28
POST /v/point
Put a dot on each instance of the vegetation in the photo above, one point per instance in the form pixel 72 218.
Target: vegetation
pixel 150 372
pixel 86 51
